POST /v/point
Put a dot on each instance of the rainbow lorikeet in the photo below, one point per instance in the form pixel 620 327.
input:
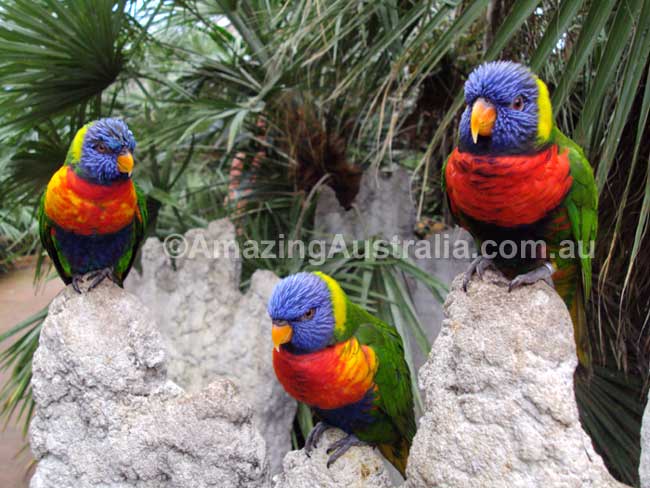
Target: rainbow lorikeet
pixel 344 363
pixel 515 177
pixel 92 216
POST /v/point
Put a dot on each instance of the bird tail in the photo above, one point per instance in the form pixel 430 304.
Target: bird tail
pixel 610 401
pixel 397 454
pixel 611 404
pixel 580 327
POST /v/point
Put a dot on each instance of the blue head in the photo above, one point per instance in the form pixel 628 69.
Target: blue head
pixel 102 151
pixel 508 110
pixel 302 313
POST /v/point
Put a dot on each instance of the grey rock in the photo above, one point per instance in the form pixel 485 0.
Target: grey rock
pixel 449 249
pixel 358 467
pixel 108 416
pixel 500 409
pixel 383 207
pixel 644 463
pixel 212 330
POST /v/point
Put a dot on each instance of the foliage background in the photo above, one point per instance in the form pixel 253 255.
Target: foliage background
pixel 243 108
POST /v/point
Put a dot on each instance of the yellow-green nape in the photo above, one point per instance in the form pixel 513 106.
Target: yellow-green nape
pixel 544 112
pixel 339 305
pixel 74 153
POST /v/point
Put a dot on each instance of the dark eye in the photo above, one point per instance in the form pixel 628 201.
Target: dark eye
pixel 308 315
pixel 101 147
pixel 517 103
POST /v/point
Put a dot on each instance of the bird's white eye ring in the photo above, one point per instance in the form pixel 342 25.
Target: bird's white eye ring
pixel 308 315
pixel 517 103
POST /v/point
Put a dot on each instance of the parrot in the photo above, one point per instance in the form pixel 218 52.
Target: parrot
pixel 344 363
pixel 514 176
pixel 92 216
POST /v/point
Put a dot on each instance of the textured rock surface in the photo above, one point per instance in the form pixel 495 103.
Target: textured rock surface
pixel 385 204
pixel 644 464
pixel 359 467
pixel 445 268
pixel 500 409
pixel 107 416
pixel 384 207
pixel 212 330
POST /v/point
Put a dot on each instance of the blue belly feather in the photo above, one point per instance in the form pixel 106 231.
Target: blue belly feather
pixel 350 417
pixel 93 252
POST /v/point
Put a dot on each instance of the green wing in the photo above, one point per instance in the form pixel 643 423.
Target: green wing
pixel 140 221
pixel 581 204
pixel 392 378
pixel 49 243
pixel 443 180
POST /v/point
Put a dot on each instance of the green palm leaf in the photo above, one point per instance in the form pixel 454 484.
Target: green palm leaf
pixel 56 55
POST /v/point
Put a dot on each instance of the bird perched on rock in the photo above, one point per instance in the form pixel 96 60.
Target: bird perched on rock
pixel 92 216
pixel 344 363
pixel 514 177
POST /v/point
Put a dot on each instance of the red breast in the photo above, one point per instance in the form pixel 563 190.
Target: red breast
pixel 331 378
pixel 87 208
pixel 508 191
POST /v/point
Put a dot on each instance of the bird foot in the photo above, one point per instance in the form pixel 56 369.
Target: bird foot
pixel 314 436
pixel 478 266
pixel 95 278
pixel 76 281
pixel 100 275
pixel 543 273
pixel 340 447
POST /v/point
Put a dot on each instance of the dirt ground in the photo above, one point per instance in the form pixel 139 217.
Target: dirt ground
pixel 17 302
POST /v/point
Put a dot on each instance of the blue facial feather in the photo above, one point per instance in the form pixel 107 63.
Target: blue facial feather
pixel 514 131
pixel 292 298
pixel 101 167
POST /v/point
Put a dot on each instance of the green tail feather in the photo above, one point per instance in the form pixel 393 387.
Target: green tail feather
pixel 397 455
pixel 610 405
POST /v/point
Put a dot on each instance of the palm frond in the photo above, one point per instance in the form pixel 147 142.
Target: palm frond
pixel 57 55
pixel 22 340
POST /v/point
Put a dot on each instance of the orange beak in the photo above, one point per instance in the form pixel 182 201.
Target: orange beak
pixel 281 334
pixel 483 116
pixel 125 163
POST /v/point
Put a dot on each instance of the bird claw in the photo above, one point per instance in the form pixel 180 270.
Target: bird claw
pixel 314 436
pixel 543 273
pixel 100 275
pixel 340 447
pixel 76 280
pixel 478 266
pixel 96 278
